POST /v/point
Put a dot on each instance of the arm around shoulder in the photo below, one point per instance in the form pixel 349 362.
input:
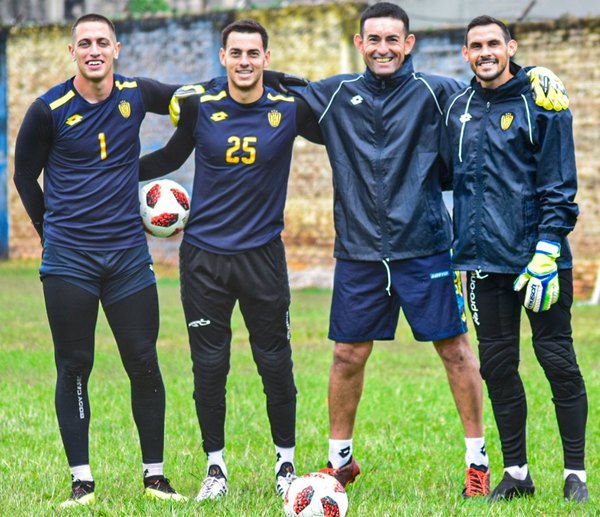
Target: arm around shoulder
pixel 178 148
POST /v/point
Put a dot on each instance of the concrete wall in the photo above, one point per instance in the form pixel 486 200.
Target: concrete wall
pixel 314 41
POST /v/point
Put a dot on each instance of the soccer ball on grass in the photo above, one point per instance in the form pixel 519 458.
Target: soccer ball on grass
pixel 164 207
pixel 315 494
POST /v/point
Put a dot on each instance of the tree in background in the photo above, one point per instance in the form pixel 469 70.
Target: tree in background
pixel 148 6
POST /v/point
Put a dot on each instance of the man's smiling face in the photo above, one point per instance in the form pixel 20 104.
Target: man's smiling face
pixel 384 45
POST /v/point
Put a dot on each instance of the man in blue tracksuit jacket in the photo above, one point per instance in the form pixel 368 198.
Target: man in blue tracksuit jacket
pixel 393 233
pixel 514 189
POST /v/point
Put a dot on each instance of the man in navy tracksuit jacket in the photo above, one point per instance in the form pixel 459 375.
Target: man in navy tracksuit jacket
pixel 514 189
pixel 393 233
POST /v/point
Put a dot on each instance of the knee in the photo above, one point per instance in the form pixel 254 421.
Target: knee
pixel 210 362
pixel 75 367
pixel 562 371
pixel 276 371
pixel 351 357
pixel 500 371
pixel 456 353
pixel 145 373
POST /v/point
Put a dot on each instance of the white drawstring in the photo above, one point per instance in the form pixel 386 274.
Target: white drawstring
pixel 389 276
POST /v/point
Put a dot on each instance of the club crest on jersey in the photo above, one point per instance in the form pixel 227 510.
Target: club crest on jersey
pixel 274 117
pixel 125 109
pixel 506 121
pixel 74 119
pixel 218 116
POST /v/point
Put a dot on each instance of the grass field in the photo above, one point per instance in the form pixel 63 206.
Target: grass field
pixel 408 438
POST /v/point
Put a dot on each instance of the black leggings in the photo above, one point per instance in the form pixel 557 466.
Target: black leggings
pixel 72 314
pixel 496 310
pixel 210 286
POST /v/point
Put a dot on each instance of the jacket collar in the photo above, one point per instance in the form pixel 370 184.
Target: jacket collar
pixel 517 85
pixel 400 76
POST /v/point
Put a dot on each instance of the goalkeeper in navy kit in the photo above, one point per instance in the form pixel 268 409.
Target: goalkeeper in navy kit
pixel 84 135
pixel 514 181
pixel 242 134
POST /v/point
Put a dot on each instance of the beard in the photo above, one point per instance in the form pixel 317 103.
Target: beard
pixel 491 75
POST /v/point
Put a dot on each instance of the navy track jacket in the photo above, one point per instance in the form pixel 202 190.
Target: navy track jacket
pixel 383 141
pixel 514 176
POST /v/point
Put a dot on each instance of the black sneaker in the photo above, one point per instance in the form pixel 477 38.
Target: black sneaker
pixel 158 487
pixel 510 487
pixel 284 478
pixel 575 489
pixel 82 494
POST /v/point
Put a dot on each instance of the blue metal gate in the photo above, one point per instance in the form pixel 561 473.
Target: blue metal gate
pixel 3 150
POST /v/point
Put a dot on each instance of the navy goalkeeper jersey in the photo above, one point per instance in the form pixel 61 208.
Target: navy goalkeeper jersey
pixel 243 155
pixel 242 164
pixel 90 156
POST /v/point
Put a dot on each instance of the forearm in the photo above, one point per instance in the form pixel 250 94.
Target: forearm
pixel 31 153
pixel 175 153
pixel 32 197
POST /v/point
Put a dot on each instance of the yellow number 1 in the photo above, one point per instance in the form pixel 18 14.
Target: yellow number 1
pixel 102 138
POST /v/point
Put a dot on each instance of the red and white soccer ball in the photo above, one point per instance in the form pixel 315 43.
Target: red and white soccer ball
pixel 315 494
pixel 164 207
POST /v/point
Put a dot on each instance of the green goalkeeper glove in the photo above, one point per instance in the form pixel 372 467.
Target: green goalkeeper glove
pixel 181 93
pixel 541 277
pixel 549 92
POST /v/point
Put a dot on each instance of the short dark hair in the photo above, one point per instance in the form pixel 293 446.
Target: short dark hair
pixel 488 20
pixel 384 10
pixel 245 25
pixel 93 17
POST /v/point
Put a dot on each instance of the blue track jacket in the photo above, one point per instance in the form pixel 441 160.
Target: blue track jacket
pixel 383 141
pixel 514 176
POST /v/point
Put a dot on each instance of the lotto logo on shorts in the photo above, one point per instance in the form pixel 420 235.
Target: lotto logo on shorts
pixel 439 274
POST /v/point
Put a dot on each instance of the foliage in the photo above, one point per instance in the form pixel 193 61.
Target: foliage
pixel 148 6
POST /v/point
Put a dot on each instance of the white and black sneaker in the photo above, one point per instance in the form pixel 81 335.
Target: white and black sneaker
pixel 285 477
pixel 214 484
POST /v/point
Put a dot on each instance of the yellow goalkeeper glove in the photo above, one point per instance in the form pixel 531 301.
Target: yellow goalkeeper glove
pixel 541 277
pixel 549 92
pixel 181 93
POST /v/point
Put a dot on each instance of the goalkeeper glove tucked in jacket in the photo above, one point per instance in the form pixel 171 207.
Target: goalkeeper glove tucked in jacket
pixel 549 92
pixel 541 277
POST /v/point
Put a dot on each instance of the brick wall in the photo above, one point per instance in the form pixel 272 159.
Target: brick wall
pixel 313 41
pixel 571 47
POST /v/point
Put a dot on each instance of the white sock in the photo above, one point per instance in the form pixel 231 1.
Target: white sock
pixel 284 454
pixel 579 473
pixel 81 473
pixel 216 458
pixel 476 453
pixel 340 452
pixel 517 472
pixel 153 469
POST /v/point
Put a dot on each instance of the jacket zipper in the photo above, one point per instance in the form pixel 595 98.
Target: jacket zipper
pixel 479 182
pixel 379 179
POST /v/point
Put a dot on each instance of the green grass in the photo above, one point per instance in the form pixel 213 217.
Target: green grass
pixel 408 438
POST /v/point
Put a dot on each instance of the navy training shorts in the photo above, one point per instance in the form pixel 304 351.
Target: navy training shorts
pixel 368 296
pixel 110 275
